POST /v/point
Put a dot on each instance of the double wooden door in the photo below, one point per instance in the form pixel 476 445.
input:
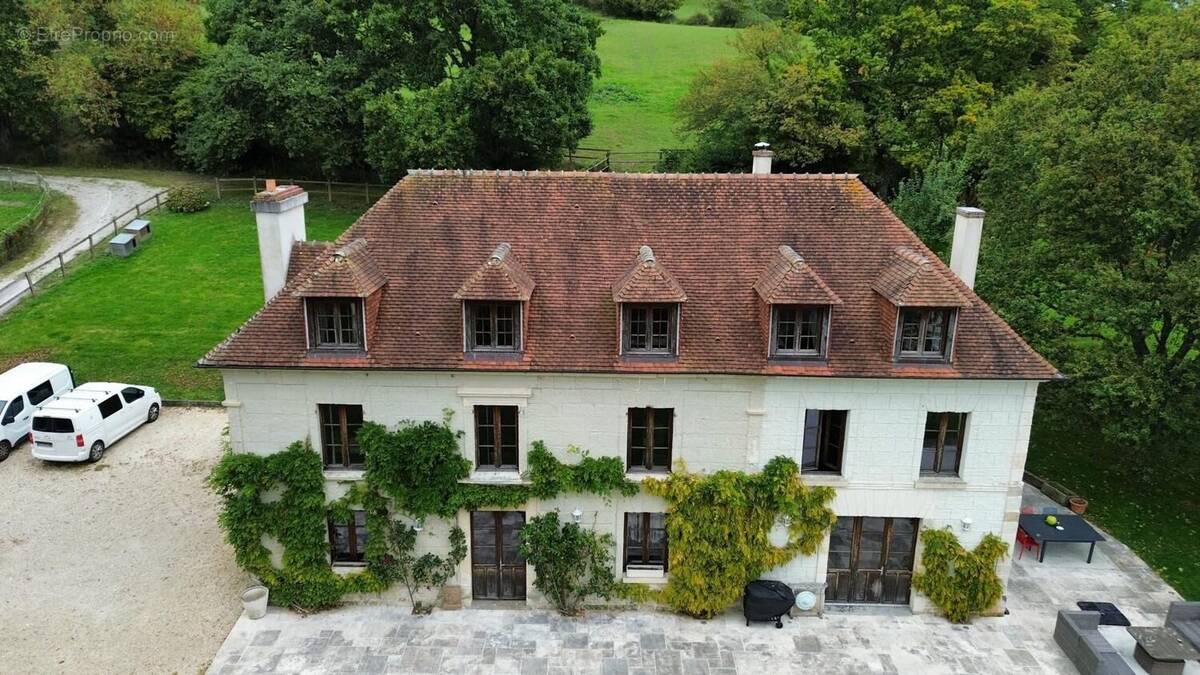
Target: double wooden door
pixel 497 567
pixel 871 560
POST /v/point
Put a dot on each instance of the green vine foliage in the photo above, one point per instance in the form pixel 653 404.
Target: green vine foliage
pixel 572 563
pixel 417 466
pixel 961 583
pixel 594 475
pixel 296 519
pixel 719 526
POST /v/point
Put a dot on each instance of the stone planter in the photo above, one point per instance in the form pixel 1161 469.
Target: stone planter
pixel 452 597
pixel 1078 505
pixel 254 601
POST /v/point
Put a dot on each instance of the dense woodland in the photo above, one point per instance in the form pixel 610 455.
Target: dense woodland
pixel 1074 123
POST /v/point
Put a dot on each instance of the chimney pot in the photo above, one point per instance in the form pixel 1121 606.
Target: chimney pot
pixel 270 185
pixel 968 235
pixel 762 157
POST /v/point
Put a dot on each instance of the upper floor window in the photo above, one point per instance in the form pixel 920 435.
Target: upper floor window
pixel 925 333
pixel 941 451
pixel 493 326
pixel 650 431
pixel 496 437
pixel 648 329
pixel 335 323
pixel 798 330
pixel 824 436
pixel 339 435
pixel 348 541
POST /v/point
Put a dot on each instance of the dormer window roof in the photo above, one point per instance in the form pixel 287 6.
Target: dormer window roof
pixel 349 272
pixel 647 281
pixel 500 277
pixel 909 279
pixel 789 280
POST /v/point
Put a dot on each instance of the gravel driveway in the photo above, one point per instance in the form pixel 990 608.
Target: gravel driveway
pixel 117 566
pixel 98 200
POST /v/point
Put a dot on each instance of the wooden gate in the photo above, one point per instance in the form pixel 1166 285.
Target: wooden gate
pixel 497 568
pixel 871 560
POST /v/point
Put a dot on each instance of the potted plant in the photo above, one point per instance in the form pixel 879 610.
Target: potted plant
pixel 254 601
pixel 1077 504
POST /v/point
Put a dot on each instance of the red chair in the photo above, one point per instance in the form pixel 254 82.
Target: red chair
pixel 1026 542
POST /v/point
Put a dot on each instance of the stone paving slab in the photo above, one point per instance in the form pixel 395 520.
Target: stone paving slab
pixel 385 639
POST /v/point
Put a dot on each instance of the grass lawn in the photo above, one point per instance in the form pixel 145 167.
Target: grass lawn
pixel 1156 514
pixel 147 319
pixel 646 69
pixel 16 203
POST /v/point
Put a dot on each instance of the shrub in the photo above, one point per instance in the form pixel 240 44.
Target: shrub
pixel 427 571
pixel 186 199
pixel 657 10
pixel 698 19
pixel 572 563
pixel 961 583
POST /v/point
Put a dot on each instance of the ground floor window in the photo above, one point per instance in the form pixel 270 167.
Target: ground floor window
pixel 348 541
pixel 646 541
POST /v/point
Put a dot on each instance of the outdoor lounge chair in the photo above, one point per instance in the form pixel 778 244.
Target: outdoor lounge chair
pixel 1184 617
pixel 1078 635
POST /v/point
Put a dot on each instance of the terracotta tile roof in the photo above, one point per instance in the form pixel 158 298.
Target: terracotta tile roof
pixel 500 277
pixel 304 253
pixel 647 281
pixel 910 279
pixel 348 271
pixel 576 233
pixel 791 281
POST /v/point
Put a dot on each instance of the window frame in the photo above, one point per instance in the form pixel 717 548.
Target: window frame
pixel 951 316
pixel 119 408
pixel 345 439
pixel 471 311
pixel 796 353
pixel 823 436
pixel 672 334
pixel 353 557
pixel 128 398
pixel 313 315
pixel 939 448
pixel 497 425
pixel 642 522
pixel 647 464
pixel 15 407
pixel 45 387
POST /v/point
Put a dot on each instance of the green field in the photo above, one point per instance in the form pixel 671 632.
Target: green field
pixel 1151 504
pixel 646 69
pixel 16 203
pixel 148 318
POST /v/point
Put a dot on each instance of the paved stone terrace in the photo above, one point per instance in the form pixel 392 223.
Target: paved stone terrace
pixel 380 639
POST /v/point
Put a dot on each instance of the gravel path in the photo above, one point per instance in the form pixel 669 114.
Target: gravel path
pixel 98 200
pixel 117 566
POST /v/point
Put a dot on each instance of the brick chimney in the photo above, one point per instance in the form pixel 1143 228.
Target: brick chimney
pixel 279 212
pixel 762 157
pixel 968 234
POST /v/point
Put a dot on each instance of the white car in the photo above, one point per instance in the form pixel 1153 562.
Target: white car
pixel 22 389
pixel 81 424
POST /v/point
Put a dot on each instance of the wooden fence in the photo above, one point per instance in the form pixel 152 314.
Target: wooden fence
pixel 365 191
pixel 14 239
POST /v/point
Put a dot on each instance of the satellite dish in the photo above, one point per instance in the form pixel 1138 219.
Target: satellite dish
pixel 805 600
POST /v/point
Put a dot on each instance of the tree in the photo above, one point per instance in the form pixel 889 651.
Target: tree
pixel 417 572
pixel 23 109
pixel 779 89
pixel 1093 243
pixel 572 563
pixel 926 201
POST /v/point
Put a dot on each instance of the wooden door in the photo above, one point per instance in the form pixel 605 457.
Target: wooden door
pixel 497 568
pixel 871 560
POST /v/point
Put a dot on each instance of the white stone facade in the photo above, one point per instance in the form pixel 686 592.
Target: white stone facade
pixel 721 422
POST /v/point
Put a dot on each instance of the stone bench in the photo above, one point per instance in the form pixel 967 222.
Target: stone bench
pixel 1184 617
pixel 1078 635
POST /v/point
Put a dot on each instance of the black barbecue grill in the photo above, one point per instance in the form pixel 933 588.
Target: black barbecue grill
pixel 766 600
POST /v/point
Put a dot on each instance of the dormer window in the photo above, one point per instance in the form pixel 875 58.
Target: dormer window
pixel 649 329
pixel 799 331
pixel 925 333
pixel 493 326
pixel 335 324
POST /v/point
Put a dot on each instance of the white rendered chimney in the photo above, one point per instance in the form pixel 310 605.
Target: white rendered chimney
pixel 762 157
pixel 964 252
pixel 279 212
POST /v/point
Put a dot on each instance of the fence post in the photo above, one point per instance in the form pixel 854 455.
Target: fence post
pixel 218 182
pixel 62 268
pixel 114 224
pixel 156 202
pixel 254 184
pixel 137 209
pixel 91 247
pixel 29 280
pixel 366 193
pixel 329 189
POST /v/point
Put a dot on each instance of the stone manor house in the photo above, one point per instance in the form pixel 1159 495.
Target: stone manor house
pixel 715 320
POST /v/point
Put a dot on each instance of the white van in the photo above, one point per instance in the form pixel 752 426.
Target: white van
pixel 22 389
pixel 81 424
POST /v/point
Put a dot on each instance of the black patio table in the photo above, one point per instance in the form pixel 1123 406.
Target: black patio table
pixel 1075 530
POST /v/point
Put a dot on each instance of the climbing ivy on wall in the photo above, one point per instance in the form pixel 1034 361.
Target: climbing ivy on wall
pixel 961 583
pixel 719 527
